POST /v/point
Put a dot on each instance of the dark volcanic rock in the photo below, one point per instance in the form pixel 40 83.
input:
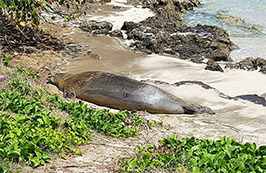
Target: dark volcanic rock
pixel 180 6
pixel 100 31
pixel 167 33
pixel 199 42
pixel 263 69
pixel 213 66
pixel 116 33
pixel 215 40
pixel 97 27
pixel 103 27
pixel 129 26
pixel 250 64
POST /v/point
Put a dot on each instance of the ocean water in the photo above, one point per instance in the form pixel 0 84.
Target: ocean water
pixel 251 14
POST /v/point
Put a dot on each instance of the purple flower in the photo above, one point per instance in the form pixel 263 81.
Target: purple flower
pixel 2 77
pixel 132 115
pixel 128 121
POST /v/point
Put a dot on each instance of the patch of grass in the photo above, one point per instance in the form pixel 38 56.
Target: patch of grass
pixel 122 124
pixel 197 155
pixel 28 133
pixel 6 59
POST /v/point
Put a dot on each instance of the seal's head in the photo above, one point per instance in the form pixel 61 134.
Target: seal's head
pixel 55 79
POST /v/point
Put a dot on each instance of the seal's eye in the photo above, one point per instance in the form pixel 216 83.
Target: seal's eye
pixel 125 95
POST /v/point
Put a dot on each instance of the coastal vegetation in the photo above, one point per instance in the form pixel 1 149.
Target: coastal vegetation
pixel 31 130
pixel 23 12
pixel 36 126
pixel 197 155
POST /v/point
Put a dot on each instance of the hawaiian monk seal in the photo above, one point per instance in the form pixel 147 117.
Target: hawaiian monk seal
pixel 120 92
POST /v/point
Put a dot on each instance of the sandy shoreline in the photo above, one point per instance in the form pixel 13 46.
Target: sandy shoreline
pixel 238 119
pixel 248 117
pixel 116 57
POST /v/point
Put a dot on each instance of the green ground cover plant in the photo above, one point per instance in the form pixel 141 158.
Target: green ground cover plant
pixel 22 12
pixel 197 155
pixel 122 124
pixel 31 134
pixel 6 59
pixel 28 133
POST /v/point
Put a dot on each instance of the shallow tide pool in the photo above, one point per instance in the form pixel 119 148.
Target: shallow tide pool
pixel 249 33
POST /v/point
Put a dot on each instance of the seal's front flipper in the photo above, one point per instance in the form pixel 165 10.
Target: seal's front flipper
pixel 69 94
pixel 197 109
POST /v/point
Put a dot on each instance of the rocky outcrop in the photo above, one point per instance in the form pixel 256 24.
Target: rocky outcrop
pixel 97 28
pixel 250 64
pixel 94 25
pixel 213 66
pixel 237 21
pixel 263 69
pixel 230 19
pixel 167 33
pixel 180 6
pixel 116 33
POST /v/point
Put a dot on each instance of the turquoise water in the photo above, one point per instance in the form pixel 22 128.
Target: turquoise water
pixel 252 42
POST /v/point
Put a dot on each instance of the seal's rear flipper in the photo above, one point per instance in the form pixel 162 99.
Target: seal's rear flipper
pixel 197 109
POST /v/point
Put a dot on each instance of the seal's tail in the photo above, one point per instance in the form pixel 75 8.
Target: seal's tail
pixel 197 109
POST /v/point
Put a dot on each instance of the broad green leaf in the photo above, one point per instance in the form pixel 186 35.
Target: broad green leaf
pixel 40 121
pixel 2 145
pixel 196 170
pixel 194 162
pixel 39 155
pixel 202 161
pixel 230 150
pixel 14 154
pixel 46 120
pixel 2 152
pixel 35 161
pixel 241 166
pixel 132 163
pixel 45 156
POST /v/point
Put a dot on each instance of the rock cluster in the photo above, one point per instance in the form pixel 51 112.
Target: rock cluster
pixel 213 66
pixel 250 64
pixel 167 33
pixel 103 27
pixel 237 21
pixel 181 6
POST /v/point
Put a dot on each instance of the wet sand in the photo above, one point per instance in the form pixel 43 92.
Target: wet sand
pixel 112 55
pixel 239 119
pixel 245 118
